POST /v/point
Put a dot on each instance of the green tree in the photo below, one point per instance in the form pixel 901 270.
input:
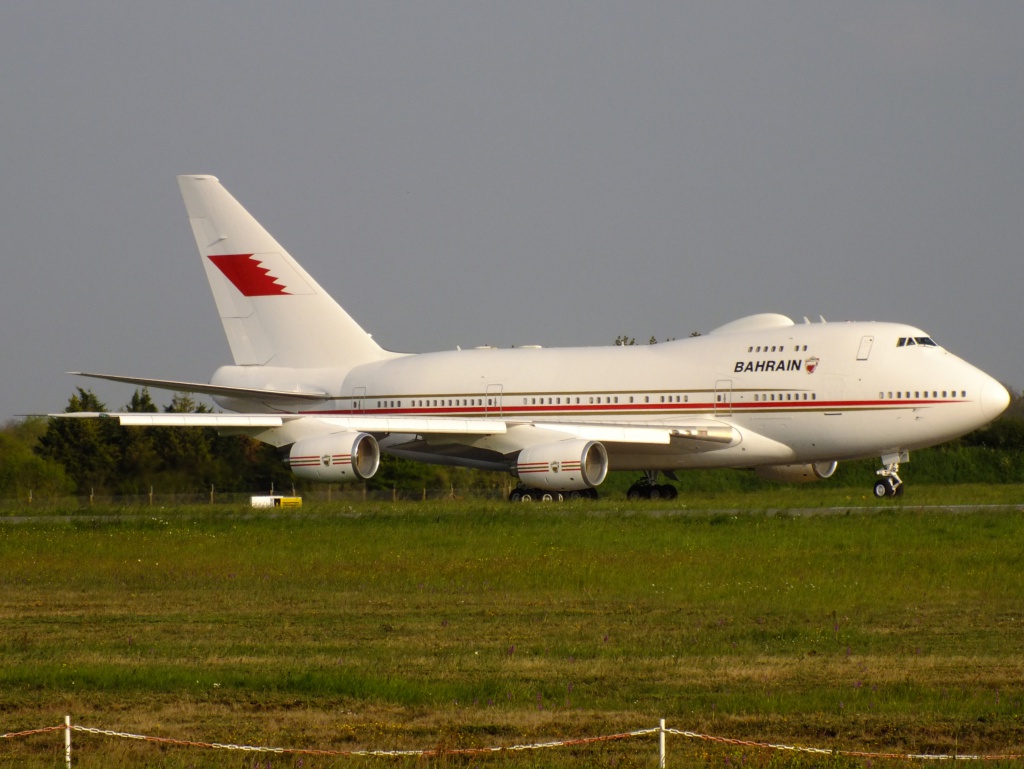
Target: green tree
pixel 141 463
pixel 403 475
pixel 1006 433
pixel 22 471
pixel 188 464
pixel 88 449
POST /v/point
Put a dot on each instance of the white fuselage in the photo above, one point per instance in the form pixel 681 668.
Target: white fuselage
pixel 793 394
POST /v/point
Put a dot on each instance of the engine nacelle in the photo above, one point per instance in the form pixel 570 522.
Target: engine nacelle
pixel 335 458
pixel 797 473
pixel 563 465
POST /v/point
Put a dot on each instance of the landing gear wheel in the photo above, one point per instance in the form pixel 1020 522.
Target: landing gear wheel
pixel 526 494
pixel 888 487
pixel 890 484
pixel 646 488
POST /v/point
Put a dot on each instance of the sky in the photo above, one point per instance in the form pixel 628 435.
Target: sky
pixel 475 173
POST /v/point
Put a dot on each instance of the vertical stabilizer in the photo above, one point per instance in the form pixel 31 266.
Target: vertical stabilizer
pixel 273 312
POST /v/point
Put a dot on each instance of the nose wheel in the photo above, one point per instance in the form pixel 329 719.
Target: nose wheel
pixel 889 484
pixel 889 487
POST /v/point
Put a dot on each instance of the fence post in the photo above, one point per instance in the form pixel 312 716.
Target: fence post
pixel 661 745
pixel 67 741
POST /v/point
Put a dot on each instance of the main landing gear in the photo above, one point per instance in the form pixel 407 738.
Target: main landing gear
pixel 523 493
pixel 889 483
pixel 646 488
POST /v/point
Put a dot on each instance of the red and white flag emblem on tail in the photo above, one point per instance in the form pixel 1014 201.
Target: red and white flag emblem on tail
pixel 812 364
pixel 261 274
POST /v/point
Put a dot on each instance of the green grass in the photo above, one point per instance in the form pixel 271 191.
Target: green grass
pixel 409 625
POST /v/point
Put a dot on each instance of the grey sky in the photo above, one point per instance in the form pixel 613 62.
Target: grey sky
pixel 509 173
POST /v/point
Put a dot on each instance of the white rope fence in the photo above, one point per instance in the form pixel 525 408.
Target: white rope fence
pixel 661 730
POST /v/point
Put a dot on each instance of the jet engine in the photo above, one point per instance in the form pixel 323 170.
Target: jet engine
pixel 563 465
pixel 797 473
pixel 335 458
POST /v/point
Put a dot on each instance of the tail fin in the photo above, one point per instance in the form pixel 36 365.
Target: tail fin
pixel 272 310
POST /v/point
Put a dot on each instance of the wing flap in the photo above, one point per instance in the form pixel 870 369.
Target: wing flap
pixel 719 433
pixel 610 433
pixel 417 425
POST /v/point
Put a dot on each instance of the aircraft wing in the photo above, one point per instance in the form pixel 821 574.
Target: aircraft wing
pixel 411 425
pixel 653 434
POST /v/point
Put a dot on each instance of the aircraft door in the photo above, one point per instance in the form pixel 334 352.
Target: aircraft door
pixel 723 398
pixel 492 400
pixel 865 348
pixel 833 395
pixel 358 399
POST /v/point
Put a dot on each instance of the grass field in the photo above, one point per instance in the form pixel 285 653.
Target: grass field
pixel 851 624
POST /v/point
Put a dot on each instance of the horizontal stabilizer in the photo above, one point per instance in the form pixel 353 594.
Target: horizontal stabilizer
pixel 210 389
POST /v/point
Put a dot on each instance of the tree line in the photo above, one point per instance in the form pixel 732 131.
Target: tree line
pixel 58 457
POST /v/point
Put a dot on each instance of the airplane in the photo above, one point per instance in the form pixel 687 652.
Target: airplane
pixel 786 400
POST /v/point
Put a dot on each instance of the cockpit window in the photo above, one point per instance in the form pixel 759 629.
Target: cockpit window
pixel 912 341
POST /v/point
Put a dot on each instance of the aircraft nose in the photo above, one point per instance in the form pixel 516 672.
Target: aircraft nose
pixel 994 399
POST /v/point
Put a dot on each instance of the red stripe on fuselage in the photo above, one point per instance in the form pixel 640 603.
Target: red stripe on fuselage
pixel 654 409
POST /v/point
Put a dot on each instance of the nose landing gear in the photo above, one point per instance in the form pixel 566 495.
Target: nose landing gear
pixel 890 484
